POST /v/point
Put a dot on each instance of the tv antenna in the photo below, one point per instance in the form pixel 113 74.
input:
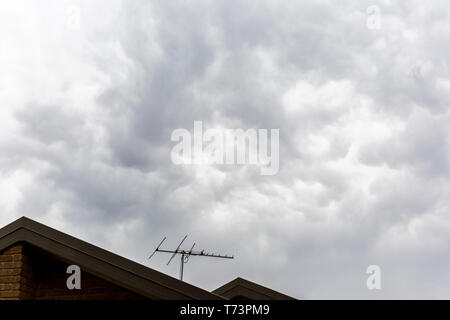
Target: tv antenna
pixel 186 254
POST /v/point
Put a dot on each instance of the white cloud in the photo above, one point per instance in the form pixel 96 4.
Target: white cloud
pixel 86 115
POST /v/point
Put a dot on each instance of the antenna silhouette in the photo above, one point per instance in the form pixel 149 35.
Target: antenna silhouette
pixel 186 254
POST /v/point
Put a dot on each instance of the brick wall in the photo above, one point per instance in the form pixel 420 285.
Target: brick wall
pixel 29 273
pixel 11 263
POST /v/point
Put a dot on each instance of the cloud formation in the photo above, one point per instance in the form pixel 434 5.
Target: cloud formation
pixel 92 90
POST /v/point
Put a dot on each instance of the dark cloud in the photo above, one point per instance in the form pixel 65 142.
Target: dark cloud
pixel 88 113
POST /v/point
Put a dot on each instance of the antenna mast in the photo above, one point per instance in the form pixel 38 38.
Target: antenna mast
pixel 186 254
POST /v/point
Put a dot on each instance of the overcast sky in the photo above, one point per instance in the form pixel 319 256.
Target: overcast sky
pixel 90 92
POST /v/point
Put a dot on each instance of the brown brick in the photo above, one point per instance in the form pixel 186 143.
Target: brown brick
pixel 14 249
pixel 18 257
pixel 10 294
pixel 9 272
pixel 6 258
pixel 9 286
pixel 10 265
pixel 9 279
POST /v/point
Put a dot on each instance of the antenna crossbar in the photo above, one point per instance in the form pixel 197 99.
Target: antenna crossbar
pixel 195 253
pixel 185 254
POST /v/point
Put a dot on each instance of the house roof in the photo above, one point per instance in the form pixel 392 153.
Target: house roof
pixel 245 289
pixel 102 263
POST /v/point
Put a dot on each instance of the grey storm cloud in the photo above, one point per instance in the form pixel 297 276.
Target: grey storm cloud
pixel 91 91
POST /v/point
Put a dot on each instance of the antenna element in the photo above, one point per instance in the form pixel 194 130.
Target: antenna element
pixel 185 255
